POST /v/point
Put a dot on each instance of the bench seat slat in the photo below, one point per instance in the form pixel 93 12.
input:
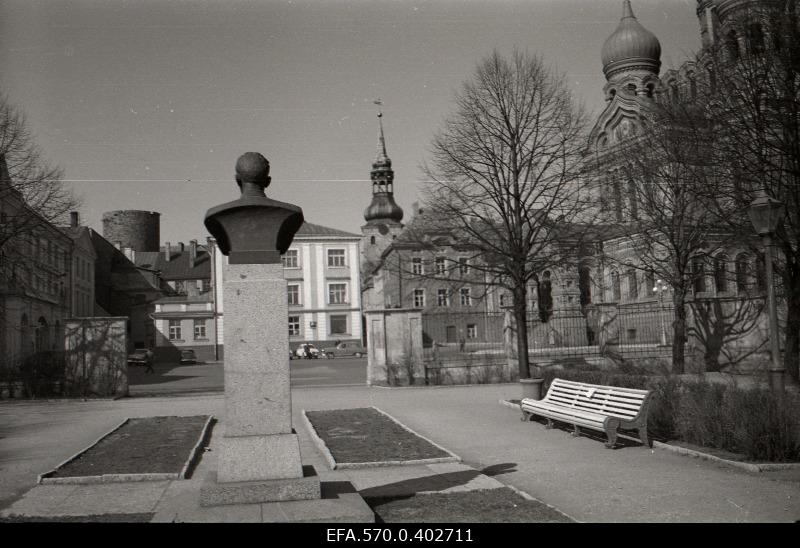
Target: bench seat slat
pixel 599 405
pixel 608 395
pixel 627 392
pixel 540 404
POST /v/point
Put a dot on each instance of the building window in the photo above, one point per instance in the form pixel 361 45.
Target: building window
pixel 633 285
pixel 419 298
pixel 416 265
pixel 466 300
pixel 338 324
pixel 720 274
pixel 174 330
pixel 294 325
pixel 336 257
pixel 200 329
pixel 650 283
pixel 205 285
pixel 742 268
pixel 180 287
pixel 337 293
pixel 293 291
pixel 442 298
pixel 440 268
pixel 290 259
pixel 372 240
pixel 463 265
pixel 472 331
pixel 699 274
pixel 616 288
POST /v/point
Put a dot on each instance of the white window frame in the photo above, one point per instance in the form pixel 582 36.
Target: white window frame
pixel 175 331
pixel 463 265
pixel 419 298
pixel 441 265
pixel 204 331
pixel 297 301
pixel 294 326
pixel 334 258
pixel 330 294
pixel 472 331
pixel 330 324
pixel 442 293
pixel 417 265
pixel 294 254
pixel 465 296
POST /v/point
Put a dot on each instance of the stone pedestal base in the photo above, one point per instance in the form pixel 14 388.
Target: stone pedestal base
pixel 257 458
pixel 217 493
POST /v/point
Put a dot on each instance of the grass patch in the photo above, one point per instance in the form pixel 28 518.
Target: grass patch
pixel 501 505
pixel 100 518
pixel 141 446
pixel 367 435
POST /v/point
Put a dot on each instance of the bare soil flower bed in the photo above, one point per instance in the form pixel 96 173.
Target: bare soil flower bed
pixel 500 505
pixel 101 518
pixel 150 445
pixel 366 435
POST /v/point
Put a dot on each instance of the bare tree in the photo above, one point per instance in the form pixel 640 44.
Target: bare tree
pixel 667 179
pixel 753 96
pixel 31 191
pixel 503 176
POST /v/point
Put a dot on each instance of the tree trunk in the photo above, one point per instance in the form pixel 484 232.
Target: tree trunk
pixel 679 332
pixel 521 318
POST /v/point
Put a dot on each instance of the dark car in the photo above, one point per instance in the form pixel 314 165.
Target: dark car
pixel 188 356
pixel 345 349
pixel 138 357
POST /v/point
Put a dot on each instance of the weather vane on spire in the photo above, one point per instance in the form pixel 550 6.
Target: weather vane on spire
pixel 379 103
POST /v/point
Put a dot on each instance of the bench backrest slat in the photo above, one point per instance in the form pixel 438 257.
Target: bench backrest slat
pixel 609 400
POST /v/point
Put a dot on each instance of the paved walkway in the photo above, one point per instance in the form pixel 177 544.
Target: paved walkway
pixel 575 475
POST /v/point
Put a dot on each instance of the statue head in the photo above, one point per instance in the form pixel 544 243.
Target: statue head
pixel 252 174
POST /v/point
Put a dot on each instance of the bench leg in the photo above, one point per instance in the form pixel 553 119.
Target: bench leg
pixel 525 416
pixel 576 431
pixel 549 424
pixel 643 436
pixel 611 431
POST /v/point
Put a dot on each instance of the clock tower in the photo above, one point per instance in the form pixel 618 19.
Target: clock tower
pixel 383 215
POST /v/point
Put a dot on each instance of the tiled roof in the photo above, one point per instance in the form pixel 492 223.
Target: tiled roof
pixel 178 267
pixel 311 230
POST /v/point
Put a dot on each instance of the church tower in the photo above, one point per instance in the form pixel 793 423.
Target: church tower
pixel 383 215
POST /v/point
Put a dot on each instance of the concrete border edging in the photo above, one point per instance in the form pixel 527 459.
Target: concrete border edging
pixel 42 477
pixel 749 466
pixel 194 455
pixel 526 496
pixel 320 443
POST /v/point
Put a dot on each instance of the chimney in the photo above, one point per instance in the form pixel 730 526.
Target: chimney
pixel 167 251
pixel 181 246
pixel 129 253
pixel 73 219
pixel 118 245
pixel 192 252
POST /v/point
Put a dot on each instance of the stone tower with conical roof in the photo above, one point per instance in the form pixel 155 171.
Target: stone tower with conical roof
pixel 383 215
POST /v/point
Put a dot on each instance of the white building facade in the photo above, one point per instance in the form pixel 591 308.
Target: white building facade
pixel 323 287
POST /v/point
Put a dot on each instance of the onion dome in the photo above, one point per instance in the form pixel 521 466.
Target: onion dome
pixel 383 206
pixel 630 47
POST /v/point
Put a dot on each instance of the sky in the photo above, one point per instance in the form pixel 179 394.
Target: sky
pixel 147 104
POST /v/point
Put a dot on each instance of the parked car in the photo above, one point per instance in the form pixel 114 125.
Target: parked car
pixel 138 357
pixel 188 356
pixel 307 350
pixel 345 349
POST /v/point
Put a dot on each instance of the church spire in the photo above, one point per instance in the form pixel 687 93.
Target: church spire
pixel 383 207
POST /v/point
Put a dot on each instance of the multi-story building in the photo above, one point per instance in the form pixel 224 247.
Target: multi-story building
pixel 81 274
pixel 184 316
pixel 34 276
pixel 323 286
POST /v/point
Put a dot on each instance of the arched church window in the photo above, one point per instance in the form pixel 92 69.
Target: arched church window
pixel 631 88
pixel 616 288
pixel 692 88
pixel 742 268
pixel 699 274
pixel 633 200
pixel 650 88
pixel 372 240
pixel 585 285
pixel 720 273
pixel 732 43
pixel 755 38
pixel 617 199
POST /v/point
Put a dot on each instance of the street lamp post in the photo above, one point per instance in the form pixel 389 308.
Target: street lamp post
pixel 660 288
pixel 765 214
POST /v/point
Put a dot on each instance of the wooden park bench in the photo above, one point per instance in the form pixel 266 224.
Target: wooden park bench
pixel 603 408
